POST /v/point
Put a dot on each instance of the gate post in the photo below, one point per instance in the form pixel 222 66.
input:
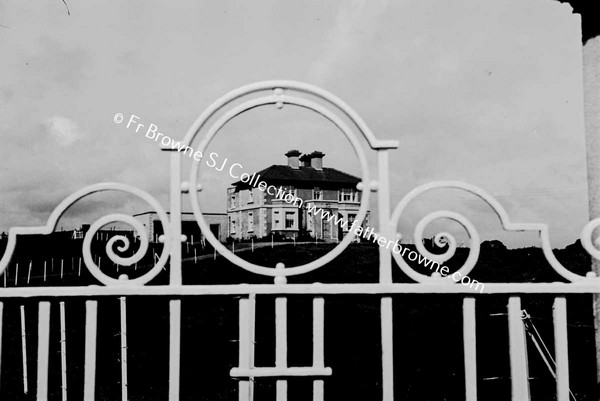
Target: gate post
pixel 591 90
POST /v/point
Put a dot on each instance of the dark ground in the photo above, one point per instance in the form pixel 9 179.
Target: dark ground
pixel 428 334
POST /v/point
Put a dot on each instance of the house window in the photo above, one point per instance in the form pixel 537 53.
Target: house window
pixel 232 202
pixel 276 221
pixel 285 190
pixel 250 221
pixel 250 196
pixel 351 218
pixel 290 219
pixel 231 226
pixel 348 195
pixel 317 193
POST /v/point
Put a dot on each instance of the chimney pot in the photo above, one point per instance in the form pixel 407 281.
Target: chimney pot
pixel 305 160
pixel 292 156
pixel 316 161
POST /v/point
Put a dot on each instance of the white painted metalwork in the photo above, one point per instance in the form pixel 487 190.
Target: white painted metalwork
pixel 1 320
pixel 43 350
pixel 63 351
pixel 91 321
pixel 294 94
pixel 24 350
pixel 561 348
pixel 279 95
pixel 123 304
pixel 470 347
pixel 519 371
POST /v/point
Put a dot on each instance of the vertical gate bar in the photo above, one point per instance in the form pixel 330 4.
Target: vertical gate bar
pixel 561 348
pixel 63 351
pixel 43 347
pixel 387 349
pixel 1 319
pixel 252 328
pixel 174 347
pixel 470 342
pixel 281 344
pixel 244 347
pixel 175 216
pixel 91 321
pixel 385 276
pixel 123 348
pixel 518 352
pixel 175 276
pixel 385 230
pixel 318 345
pixel 24 350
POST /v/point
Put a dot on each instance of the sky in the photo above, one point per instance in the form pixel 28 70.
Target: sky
pixel 484 92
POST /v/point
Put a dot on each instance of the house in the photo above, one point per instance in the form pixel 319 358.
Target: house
pixel 216 221
pixel 254 212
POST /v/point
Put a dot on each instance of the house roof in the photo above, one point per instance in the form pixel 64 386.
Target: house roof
pixel 278 173
pixel 183 213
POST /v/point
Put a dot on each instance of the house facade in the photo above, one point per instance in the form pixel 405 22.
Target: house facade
pixel 252 212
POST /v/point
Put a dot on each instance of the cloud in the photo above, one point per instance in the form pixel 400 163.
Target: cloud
pixel 354 25
pixel 63 130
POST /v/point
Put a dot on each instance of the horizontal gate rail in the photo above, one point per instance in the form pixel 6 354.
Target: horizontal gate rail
pixel 316 289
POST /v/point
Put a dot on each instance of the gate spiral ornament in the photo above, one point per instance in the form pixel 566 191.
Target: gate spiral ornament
pixel 121 242
pixel 542 229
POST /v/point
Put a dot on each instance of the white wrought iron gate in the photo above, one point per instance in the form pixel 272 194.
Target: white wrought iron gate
pixel 285 94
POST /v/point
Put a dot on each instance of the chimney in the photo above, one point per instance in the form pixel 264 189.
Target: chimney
pixel 305 160
pixel 317 160
pixel 292 156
